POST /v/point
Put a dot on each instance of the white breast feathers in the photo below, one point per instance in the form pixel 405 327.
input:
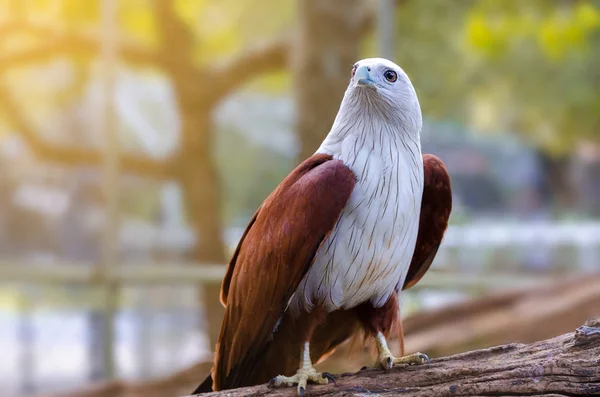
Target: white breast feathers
pixel 369 251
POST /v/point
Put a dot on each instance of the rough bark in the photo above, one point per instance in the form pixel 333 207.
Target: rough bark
pixel 567 365
pixel 526 316
pixel 523 315
pixel 327 44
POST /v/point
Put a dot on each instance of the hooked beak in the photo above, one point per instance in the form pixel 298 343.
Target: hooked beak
pixel 363 76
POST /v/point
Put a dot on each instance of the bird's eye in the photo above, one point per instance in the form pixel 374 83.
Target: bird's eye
pixel 353 70
pixel 390 75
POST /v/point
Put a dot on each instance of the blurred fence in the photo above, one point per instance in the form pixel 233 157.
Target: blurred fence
pixel 66 324
pixel 526 246
pixel 52 318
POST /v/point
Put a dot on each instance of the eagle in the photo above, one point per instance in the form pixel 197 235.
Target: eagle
pixel 329 251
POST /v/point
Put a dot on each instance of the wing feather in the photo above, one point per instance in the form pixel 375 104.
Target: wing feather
pixel 277 249
pixel 436 206
pixel 227 279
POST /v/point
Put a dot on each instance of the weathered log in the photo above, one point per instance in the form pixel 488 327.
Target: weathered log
pixel 523 315
pixel 567 365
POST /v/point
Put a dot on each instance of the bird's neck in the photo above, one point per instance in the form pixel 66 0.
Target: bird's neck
pixel 372 137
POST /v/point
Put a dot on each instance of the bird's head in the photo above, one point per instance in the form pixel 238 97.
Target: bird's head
pixel 379 88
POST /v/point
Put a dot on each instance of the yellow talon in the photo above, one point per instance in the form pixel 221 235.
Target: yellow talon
pixel 305 374
pixel 386 360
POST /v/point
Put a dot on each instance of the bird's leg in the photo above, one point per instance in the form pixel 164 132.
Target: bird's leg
pixel 386 360
pixel 306 373
pixel 378 321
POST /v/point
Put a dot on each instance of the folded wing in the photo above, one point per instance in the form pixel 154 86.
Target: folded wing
pixel 275 252
pixel 436 206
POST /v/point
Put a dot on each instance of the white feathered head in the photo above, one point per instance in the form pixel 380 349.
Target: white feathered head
pixel 380 90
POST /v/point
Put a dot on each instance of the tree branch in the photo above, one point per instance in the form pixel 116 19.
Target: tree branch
pixel 229 75
pixel 135 164
pixel 57 43
pixel 268 57
pixel 15 27
pixel 565 365
pixel 224 77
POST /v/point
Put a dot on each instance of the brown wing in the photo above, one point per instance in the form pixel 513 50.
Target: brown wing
pixel 435 211
pixel 227 279
pixel 275 253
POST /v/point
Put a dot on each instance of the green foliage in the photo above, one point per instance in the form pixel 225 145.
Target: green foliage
pixel 219 27
pixel 532 67
pixel 432 56
pixel 273 83
pixel 541 63
pixel 79 14
pixel 137 20
pixel 558 31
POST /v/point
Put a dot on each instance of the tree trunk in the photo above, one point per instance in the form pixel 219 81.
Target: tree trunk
pixel 197 173
pixel 557 184
pixel 327 45
pixel 201 186
pixel 591 189
pixel 567 365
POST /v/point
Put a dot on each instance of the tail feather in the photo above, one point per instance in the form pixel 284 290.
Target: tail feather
pixel 281 355
pixel 205 387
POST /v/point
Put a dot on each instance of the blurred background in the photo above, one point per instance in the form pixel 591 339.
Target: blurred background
pixel 139 136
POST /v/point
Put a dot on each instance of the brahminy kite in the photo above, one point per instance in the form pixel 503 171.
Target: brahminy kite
pixel 330 249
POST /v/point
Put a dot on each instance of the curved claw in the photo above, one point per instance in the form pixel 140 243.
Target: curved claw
pixel 301 378
pixel 327 375
pixel 271 383
pixel 390 363
pixel 425 358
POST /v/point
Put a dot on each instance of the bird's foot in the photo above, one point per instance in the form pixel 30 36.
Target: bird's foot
pixel 302 377
pixel 387 361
